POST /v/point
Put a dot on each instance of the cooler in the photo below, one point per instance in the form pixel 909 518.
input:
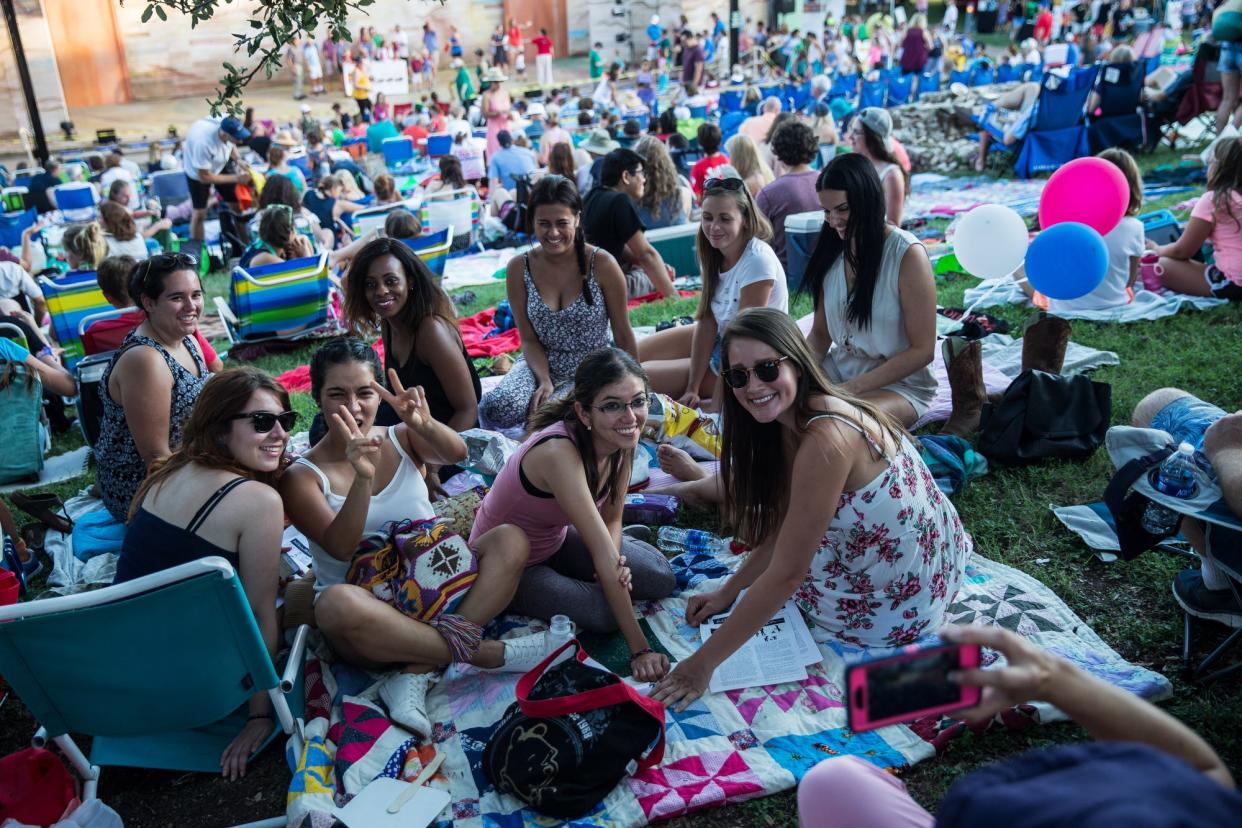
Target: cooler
pixel 801 235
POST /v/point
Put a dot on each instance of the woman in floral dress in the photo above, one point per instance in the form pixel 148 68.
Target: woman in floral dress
pixel 841 511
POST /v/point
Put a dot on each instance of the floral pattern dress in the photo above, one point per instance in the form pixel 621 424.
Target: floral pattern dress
pixel 892 559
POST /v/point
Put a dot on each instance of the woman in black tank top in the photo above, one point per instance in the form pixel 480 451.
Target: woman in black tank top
pixel 214 496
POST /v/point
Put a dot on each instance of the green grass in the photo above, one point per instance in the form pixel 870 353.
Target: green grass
pixel 1127 604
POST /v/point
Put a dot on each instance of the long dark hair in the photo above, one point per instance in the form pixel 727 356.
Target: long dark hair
pixel 424 296
pixel 450 172
pixel 224 395
pixel 863 245
pixel 558 190
pixel 755 469
pixel 599 369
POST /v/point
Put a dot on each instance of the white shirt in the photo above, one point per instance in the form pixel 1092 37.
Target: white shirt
pixel 1123 241
pixel 14 281
pixel 402 42
pixel 112 174
pixel 204 149
pixel 470 152
pixel 136 247
pixel 758 263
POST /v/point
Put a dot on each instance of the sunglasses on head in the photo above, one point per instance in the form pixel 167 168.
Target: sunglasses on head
pixel 767 371
pixel 265 421
pixel 731 184
pixel 167 260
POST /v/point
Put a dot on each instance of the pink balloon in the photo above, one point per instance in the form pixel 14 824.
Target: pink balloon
pixel 1090 191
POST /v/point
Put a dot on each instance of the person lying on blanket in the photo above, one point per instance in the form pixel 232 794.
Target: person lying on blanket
pixel 842 514
pixel 1146 768
pixel 740 270
pixel 214 495
pixel 565 487
pixel 1217 437
pixel 352 483
pixel 390 288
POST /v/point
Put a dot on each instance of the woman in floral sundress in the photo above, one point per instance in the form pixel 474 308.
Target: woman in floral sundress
pixel 565 295
pixel 843 515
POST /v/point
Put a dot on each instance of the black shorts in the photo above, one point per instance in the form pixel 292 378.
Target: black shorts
pixel 1221 286
pixel 200 193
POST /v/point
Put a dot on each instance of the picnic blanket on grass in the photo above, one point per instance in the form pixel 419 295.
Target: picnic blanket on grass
pixel 933 195
pixel 1146 305
pixel 725 748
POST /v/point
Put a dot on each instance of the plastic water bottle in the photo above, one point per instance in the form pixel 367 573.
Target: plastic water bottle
pixel 1176 478
pixel 560 631
pixel 674 540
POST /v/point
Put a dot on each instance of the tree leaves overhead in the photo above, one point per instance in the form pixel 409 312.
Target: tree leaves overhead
pixel 275 24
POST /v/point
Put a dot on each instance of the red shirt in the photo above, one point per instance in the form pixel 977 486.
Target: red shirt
pixel 108 334
pixel 543 44
pixel 515 37
pixel 416 131
pixel 698 173
pixel 1043 26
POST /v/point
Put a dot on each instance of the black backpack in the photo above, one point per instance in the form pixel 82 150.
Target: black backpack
pixel 1046 416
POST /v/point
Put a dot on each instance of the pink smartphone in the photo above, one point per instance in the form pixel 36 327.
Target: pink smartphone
pixel 909 684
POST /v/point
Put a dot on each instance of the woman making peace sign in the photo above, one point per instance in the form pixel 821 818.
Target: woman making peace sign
pixel 353 482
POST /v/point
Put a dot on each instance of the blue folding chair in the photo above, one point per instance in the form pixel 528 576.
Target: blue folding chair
pixel 1120 119
pixel 730 123
pixel 1007 73
pixel 699 112
pixel 982 74
pixel 899 89
pixel 398 152
pixel 730 101
pixel 1056 131
pixel 961 76
pixel 843 86
pixel 873 93
pixel 929 82
pixel 303 164
pixel 438 145
pixel 13 224
pixel 76 200
pixel 170 187
pixel 158 671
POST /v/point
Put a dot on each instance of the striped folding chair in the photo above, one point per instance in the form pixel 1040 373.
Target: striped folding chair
pixel 72 298
pixel 433 249
pixel 373 218
pixel 453 208
pixel 288 300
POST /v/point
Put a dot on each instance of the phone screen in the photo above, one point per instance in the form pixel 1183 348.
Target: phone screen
pixel 901 687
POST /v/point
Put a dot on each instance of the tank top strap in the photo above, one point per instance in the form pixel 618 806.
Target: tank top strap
pixel 401 452
pixel 211 503
pixel 871 441
pixel 323 478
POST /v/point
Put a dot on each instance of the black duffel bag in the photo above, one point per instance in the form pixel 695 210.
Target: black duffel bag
pixel 1046 416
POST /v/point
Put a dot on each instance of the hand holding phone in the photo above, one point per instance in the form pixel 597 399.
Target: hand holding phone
pixel 910 683
pixel 1028 674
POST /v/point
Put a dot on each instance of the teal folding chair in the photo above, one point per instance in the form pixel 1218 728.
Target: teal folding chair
pixel 158 671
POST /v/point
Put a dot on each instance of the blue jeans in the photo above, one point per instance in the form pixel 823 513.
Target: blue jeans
pixel 1230 57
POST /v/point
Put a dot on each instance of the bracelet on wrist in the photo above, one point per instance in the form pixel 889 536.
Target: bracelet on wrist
pixel 644 651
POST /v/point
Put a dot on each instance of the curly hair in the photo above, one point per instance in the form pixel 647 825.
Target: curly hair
pixel 794 144
pixel 662 182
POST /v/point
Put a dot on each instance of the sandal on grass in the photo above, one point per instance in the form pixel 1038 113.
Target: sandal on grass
pixel 45 507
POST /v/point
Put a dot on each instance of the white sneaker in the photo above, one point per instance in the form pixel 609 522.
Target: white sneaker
pixel 405 695
pixel 523 653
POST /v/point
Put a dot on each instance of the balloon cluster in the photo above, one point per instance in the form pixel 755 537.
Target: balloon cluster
pixel 1082 202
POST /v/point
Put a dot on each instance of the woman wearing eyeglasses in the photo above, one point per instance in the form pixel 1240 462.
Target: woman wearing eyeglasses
pixel 565 488
pixel 833 497
pixel 874 294
pixel 150 386
pixel 740 270
pixel 214 495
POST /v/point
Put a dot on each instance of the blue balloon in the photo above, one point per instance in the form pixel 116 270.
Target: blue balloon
pixel 1066 261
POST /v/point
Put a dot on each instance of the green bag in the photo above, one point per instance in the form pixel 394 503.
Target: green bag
pixel 22 432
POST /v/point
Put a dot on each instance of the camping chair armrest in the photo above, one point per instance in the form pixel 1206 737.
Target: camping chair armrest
pixel 270 281
pixel 293 664
pixel 222 307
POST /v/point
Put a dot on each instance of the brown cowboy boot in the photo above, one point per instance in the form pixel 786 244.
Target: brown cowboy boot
pixel 1043 343
pixel 963 361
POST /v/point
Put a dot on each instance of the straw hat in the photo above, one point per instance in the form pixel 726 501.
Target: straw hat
pixel 284 138
pixel 599 142
pixel 494 75
pixel 631 101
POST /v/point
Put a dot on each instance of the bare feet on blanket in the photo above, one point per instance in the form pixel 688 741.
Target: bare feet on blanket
pixel 678 463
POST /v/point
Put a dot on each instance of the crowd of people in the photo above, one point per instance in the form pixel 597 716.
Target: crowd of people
pixel 818 474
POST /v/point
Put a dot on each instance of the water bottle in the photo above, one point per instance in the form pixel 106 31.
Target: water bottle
pixel 560 631
pixel 1175 477
pixel 674 540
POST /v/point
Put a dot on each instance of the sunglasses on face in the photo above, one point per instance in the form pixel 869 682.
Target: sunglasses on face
pixel 265 421
pixel 639 404
pixel 766 371
pixel 731 184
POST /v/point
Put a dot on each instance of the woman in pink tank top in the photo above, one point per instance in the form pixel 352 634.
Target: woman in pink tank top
pixel 565 489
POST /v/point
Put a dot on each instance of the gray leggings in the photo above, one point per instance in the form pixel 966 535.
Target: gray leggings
pixel 505 405
pixel 564 584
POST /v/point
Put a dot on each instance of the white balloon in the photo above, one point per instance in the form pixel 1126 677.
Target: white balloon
pixel 990 241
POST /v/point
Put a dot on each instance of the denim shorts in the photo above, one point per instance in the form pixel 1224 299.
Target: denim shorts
pixel 1230 57
pixel 1187 419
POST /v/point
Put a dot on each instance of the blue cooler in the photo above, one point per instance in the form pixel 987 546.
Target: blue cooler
pixel 801 235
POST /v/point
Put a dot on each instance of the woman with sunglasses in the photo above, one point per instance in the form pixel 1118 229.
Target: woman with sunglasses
pixel 740 270
pixel 352 483
pixel 834 499
pixel 565 297
pixel 874 294
pixel 565 488
pixel 214 496
pixel 153 379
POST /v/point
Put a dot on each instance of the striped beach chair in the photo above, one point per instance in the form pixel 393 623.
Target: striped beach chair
pixel 433 249
pixel 460 209
pixel 72 298
pixel 288 300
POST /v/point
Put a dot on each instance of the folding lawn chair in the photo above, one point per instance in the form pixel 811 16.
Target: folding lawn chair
pixel 21 410
pixel 873 93
pixel 929 82
pixel 899 88
pixel 373 218
pixel 1008 73
pixel 982 74
pixel 1120 120
pixel 730 101
pixel 99 343
pixel 460 209
pixel 76 200
pixel 170 187
pixel 440 144
pixel 398 153
pixel 1055 131
pixel 843 86
pixel 12 224
pixel 71 299
pixel 287 300
pixel 158 671
pixel 730 123
pixel 433 249
pixel 1202 99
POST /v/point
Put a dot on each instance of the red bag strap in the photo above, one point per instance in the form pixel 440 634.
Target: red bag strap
pixel 617 693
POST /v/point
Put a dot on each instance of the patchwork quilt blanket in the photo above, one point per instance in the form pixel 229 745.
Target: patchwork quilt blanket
pixel 725 748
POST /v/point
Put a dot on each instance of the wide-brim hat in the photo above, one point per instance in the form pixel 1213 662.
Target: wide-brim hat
pixel 599 142
pixel 494 75
pixel 284 138
pixel 631 101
